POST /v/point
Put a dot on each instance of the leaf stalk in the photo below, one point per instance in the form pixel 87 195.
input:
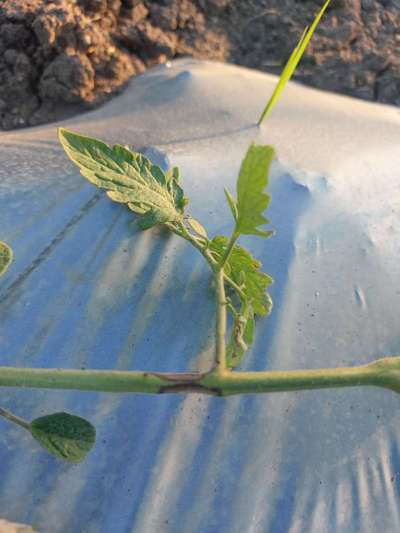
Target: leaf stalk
pixel 15 419
pixel 228 251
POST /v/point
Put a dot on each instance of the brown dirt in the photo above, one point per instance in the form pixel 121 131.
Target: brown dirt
pixel 60 57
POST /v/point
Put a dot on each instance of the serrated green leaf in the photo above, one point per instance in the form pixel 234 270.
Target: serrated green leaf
pixel 198 228
pixel 292 63
pixel 6 256
pixel 252 201
pixel 243 269
pixel 241 337
pixel 129 177
pixel 67 436
pixel 232 204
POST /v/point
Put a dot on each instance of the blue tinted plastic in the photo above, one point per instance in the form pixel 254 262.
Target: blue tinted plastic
pixel 88 290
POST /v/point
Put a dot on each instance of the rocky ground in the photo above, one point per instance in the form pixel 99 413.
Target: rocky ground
pixel 60 57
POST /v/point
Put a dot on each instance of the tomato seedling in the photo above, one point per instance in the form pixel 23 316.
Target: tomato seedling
pixel 157 197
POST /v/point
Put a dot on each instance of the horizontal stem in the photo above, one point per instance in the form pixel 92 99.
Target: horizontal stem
pixel 384 372
pixel 296 380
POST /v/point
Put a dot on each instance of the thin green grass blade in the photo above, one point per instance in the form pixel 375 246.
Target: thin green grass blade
pixel 292 63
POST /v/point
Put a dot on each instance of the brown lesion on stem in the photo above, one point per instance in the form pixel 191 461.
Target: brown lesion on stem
pixel 185 383
pixel 180 377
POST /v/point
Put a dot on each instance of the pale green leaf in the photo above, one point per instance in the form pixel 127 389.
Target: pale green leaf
pixel 67 436
pixel 292 63
pixel 252 201
pixel 243 269
pixel 197 227
pixel 232 204
pixel 6 256
pixel 129 177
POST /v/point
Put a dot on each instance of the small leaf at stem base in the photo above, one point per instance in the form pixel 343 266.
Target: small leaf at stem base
pixel 5 257
pixel 66 436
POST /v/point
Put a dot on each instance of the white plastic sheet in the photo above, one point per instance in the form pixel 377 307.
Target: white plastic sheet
pixel 87 289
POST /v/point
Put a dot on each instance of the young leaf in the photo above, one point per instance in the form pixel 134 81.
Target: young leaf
pixel 243 269
pixel 68 437
pixel 129 177
pixel 251 198
pixel 241 337
pixel 6 256
pixel 292 63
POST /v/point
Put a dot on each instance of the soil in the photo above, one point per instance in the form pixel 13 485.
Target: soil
pixel 60 57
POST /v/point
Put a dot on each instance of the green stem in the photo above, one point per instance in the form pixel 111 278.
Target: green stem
pixel 228 251
pixel 220 325
pixel 15 419
pixel 383 373
pixel 219 276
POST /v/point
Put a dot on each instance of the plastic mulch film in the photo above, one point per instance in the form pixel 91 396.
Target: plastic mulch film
pixel 87 289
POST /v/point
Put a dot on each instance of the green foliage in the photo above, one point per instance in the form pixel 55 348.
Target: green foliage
pixel 129 178
pixel 243 269
pixel 6 257
pixel 66 436
pixel 252 201
pixel 292 63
